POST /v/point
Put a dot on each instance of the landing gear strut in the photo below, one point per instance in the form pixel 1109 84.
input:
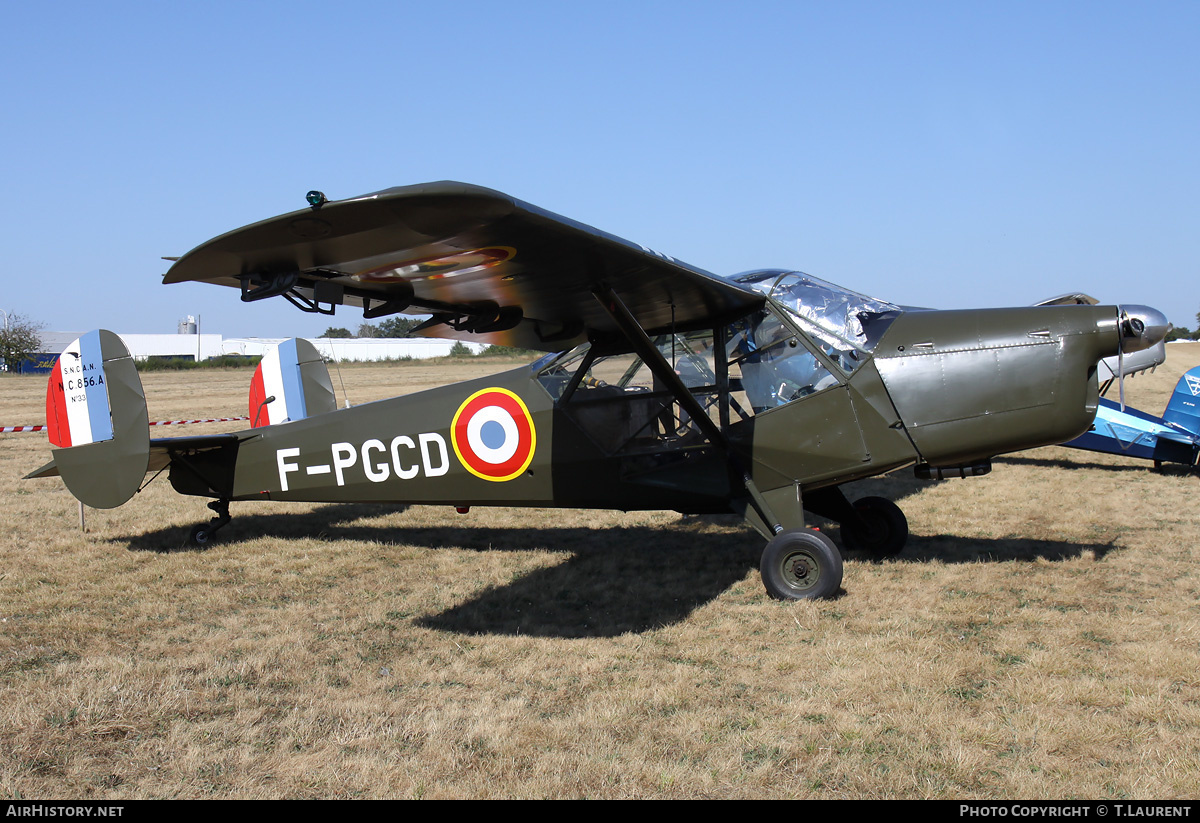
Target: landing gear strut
pixel 801 564
pixel 203 533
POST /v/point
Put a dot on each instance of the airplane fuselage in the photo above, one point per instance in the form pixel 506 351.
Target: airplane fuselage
pixel 942 388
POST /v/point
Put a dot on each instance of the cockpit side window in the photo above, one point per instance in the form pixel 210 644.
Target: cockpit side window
pixel 619 402
pixel 758 363
pixel 772 364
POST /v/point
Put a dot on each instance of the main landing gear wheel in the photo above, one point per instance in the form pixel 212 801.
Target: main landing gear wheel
pixel 801 564
pixel 881 529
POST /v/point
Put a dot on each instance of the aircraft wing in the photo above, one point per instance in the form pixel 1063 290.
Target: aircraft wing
pixel 486 266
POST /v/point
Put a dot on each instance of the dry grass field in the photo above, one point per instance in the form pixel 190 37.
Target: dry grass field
pixel 1040 638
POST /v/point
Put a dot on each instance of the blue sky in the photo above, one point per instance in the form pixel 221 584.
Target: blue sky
pixel 946 154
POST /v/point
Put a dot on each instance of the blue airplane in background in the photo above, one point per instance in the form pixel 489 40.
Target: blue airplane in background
pixel 1119 429
pixel 1172 438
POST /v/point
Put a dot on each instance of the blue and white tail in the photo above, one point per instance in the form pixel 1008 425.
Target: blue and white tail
pixel 1183 410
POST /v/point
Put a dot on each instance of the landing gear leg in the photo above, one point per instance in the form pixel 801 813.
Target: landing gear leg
pixel 203 533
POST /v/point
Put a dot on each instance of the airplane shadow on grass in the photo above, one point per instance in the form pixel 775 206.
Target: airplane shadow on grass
pixel 656 579
pixel 613 580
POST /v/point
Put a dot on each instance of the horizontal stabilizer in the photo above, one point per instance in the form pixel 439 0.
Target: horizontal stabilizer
pixel 1133 433
pixel 48 470
pixel 162 451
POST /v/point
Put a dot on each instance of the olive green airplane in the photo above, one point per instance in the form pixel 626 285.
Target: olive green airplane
pixel 663 386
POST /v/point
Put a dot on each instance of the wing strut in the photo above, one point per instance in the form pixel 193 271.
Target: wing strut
pixel 653 358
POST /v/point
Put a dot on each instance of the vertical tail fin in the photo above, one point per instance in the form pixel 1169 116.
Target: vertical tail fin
pixel 1183 409
pixel 291 383
pixel 96 417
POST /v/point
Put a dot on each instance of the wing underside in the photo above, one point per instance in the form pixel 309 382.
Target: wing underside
pixel 486 266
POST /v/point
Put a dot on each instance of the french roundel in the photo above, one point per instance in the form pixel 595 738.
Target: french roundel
pixel 493 435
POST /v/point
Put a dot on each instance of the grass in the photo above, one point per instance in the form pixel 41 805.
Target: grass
pixel 1040 637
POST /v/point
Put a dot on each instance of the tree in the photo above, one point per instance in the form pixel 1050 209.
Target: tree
pixel 19 339
pixel 1179 333
pixel 398 326
pixel 337 332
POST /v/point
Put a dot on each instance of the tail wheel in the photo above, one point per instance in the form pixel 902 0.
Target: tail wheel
pixel 201 535
pixel 204 533
pixel 881 529
pixel 801 564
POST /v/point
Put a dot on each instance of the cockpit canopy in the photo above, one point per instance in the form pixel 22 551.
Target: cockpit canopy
pixel 824 309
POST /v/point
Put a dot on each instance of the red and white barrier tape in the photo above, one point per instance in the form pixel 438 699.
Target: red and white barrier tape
pixel 152 423
pixel 209 420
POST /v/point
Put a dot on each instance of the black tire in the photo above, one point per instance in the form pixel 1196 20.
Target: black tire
pixel 801 564
pixel 201 536
pixel 882 529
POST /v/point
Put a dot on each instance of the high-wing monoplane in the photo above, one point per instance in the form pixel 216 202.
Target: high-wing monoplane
pixel 663 386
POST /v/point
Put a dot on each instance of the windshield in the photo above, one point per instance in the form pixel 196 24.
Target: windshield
pixel 851 317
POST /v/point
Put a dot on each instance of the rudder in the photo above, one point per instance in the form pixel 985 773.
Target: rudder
pixel 290 383
pixel 97 420
pixel 1183 409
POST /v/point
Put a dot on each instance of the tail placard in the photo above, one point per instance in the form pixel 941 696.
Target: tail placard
pixel 77 406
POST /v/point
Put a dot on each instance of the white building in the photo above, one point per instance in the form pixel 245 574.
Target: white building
pixel 204 346
pixel 351 349
pixel 143 346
